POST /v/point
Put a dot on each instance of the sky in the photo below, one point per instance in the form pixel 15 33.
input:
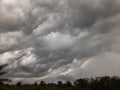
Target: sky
pixel 55 40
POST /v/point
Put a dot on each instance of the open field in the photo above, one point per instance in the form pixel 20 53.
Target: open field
pixel 47 88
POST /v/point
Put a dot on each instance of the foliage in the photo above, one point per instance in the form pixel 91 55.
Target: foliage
pixel 2 73
pixel 98 83
pixel 1 68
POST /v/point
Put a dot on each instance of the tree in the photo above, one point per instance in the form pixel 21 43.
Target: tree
pixel 1 68
pixel 114 82
pixel 59 83
pixel 81 82
pixel 42 83
pixel 18 84
pixel 2 73
pixel 35 84
pixel 104 81
pixel 68 83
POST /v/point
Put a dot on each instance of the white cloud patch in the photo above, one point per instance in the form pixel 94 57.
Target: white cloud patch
pixel 58 40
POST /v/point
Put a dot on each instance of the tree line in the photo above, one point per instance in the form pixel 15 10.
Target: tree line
pixel 101 83
pixel 105 82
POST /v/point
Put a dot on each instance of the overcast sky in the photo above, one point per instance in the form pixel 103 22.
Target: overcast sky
pixel 55 40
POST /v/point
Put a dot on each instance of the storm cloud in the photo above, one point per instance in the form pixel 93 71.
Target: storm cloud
pixel 60 39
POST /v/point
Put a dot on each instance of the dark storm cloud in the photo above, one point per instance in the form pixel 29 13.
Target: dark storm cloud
pixel 88 12
pixel 59 39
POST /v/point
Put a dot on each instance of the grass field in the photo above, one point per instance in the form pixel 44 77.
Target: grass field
pixel 40 88
pixel 47 88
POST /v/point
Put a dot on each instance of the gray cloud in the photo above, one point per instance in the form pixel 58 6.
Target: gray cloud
pixel 59 39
